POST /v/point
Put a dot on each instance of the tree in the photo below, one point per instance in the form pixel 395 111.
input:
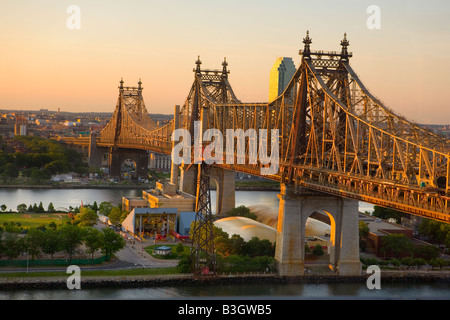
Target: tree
pixel 115 216
pixel 51 243
pixel 241 211
pixel 86 218
pixel 363 232
pixel 237 244
pixel 318 250
pixel 50 208
pixel 429 228
pixel 112 242
pixel 396 243
pixel 426 252
pixel 38 176
pixel 93 239
pixel 438 262
pixel 34 240
pixel 71 238
pixel 11 171
pixel 13 245
pixel 22 208
pixel 40 208
pixel 52 225
pixel 94 206
pixel 185 264
pixel 363 229
pixel 105 208
pixel 3 207
pixel 386 213
pixel 257 247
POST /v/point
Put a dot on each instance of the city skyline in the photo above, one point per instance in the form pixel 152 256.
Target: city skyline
pixel 46 64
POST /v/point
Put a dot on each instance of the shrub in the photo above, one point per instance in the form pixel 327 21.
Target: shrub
pixel 318 250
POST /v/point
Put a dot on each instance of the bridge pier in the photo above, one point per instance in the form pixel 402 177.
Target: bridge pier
pixel 119 155
pixel 295 207
pixel 225 189
pixel 95 152
pixel 224 181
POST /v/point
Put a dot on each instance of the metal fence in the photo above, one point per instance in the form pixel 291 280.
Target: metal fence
pixel 49 262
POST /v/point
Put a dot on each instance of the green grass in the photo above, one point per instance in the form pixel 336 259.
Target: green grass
pixel 119 272
pixel 33 220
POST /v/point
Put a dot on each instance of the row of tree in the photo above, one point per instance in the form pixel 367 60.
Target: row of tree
pixel 42 158
pixel 437 232
pixel 408 262
pixel 68 238
pixel 234 254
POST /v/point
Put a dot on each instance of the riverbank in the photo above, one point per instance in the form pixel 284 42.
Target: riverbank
pixel 74 186
pixel 120 186
pixel 92 282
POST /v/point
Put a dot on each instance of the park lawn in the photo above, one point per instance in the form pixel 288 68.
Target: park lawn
pixel 33 220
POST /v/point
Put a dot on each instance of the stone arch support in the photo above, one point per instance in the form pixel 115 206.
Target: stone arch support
pixel 295 208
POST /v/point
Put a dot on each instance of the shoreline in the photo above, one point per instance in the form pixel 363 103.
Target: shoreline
pixel 95 282
pixel 117 186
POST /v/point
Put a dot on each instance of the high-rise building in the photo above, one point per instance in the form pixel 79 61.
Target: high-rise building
pixel 282 71
pixel 20 127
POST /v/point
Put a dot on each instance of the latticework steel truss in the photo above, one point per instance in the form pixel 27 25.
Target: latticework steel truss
pixel 203 256
pixel 334 135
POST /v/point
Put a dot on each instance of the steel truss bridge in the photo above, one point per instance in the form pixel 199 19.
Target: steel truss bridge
pixel 335 136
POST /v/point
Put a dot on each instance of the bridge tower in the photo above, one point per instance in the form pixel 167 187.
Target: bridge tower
pixel 219 91
pixel 120 134
pixel 297 204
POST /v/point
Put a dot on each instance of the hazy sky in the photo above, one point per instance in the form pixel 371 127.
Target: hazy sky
pixel 45 64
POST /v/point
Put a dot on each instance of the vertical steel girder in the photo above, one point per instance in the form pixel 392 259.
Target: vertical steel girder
pixel 203 256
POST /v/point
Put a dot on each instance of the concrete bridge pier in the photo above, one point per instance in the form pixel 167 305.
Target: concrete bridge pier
pixel 295 208
pixel 188 178
pixel 225 189
pixel 95 152
pixel 119 155
pixel 223 180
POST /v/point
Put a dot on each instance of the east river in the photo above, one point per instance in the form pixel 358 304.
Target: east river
pixel 63 198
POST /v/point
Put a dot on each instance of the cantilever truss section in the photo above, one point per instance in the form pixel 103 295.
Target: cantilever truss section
pixel 334 136
pixel 344 140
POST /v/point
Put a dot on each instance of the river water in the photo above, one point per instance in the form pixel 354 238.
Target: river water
pixel 63 198
pixel 253 291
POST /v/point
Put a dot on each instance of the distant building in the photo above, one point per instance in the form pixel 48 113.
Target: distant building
pixel 280 75
pixel 20 127
pixel 379 228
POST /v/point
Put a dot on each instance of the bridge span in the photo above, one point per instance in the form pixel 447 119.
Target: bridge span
pixel 337 144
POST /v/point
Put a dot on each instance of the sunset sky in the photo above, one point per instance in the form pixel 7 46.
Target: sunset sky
pixel 44 64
